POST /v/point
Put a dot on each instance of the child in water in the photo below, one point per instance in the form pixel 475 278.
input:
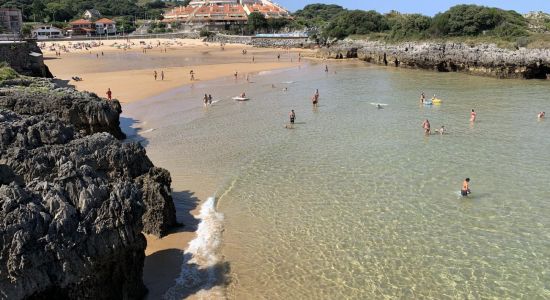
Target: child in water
pixel 465 188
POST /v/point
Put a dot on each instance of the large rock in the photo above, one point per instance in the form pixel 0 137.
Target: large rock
pixel 486 60
pixel 25 57
pixel 74 200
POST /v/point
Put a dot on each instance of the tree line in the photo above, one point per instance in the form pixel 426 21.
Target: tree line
pixel 336 22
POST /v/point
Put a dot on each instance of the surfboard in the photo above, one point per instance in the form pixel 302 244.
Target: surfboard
pixel 240 99
pixel 381 104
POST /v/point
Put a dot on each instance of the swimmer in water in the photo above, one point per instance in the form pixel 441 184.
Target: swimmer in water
pixel 541 115
pixel 465 188
pixel 442 130
pixel 379 106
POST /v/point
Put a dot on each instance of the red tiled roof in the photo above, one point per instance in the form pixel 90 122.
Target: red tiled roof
pixel 105 21
pixel 81 22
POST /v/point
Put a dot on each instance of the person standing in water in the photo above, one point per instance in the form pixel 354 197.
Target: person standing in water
pixel 109 94
pixel 422 97
pixel 205 100
pixel 465 190
pixel 292 116
pixel 473 116
pixel 315 98
pixel 209 99
pixel 326 68
pixel 426 126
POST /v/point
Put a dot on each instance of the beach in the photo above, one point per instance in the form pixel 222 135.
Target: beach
pixel 129 73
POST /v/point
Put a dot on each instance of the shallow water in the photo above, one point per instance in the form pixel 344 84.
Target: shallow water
pixel 355 202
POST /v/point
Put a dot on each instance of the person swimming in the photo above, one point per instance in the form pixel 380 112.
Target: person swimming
pixel 465 191
pixel 541 115
pixel 441 130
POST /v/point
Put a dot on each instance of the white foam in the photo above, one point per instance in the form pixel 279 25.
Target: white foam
pixel 200 271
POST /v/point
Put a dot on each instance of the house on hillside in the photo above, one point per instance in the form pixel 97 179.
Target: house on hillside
pixel 11 20
pixel 43 32
pixel 105 26
pixel 91 14
pixel 81 27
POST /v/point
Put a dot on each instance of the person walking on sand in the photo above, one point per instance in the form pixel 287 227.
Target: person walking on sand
pixel 161 75
pixel 326 68
pixel 236 75
pixel 109 94
pixel 465 190
pixel 192 75
pixel 155 74
pixel 473 116
pixel 426 126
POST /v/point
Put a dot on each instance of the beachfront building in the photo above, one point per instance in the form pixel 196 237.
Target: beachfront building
pixel 11 20
pixel 82 27
pixel 43 32
pixel 222 13
pixel 105 26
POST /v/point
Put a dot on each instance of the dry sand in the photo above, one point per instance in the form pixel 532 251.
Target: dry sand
pixel 129 74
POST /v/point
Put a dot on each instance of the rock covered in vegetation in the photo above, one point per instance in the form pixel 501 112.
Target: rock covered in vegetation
pixel 486 60
pixel 74 200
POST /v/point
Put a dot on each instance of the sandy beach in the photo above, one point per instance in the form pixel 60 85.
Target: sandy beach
pixel 128 70
pixel 129 73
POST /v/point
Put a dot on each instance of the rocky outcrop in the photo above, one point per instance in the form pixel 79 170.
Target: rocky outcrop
pixel 74 199
pixel 263 42
pixel 485 60
pixel 25 57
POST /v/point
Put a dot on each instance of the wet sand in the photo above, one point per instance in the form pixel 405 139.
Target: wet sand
pixel 129 74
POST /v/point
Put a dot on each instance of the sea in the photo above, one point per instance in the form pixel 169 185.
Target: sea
pixel 354 201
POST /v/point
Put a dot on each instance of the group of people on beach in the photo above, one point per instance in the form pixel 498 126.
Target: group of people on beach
pixel 155 75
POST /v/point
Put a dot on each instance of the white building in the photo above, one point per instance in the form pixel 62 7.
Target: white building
pixel 43 32
pixel 91 14
pixel 105 26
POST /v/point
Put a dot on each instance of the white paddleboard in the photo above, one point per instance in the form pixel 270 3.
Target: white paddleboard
pixel 240 99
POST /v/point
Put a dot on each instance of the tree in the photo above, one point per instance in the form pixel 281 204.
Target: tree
pixel 256 22
pixel 355 22
pixel 276 24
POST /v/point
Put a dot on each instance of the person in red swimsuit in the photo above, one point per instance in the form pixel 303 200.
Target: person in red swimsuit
pixel 473 116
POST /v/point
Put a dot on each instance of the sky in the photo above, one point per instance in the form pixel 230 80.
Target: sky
pixel 426 7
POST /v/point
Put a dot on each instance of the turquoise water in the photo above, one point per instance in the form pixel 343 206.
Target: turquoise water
pixel 355 202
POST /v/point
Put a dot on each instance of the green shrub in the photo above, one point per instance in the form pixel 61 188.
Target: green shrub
pixel 6 72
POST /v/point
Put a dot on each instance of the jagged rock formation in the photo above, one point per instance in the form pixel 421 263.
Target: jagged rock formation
pixel 74 200
pixel 25 57
pixel 485 60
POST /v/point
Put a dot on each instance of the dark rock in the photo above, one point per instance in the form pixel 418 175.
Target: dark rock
pixel 74 200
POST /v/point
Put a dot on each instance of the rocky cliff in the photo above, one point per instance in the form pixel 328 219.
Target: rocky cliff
pixel 25 57
pixel 74 199
pixel 485 60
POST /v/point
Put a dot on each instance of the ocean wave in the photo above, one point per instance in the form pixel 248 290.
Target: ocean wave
pixel 203 272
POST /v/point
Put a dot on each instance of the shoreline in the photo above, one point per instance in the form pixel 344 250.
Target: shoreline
pixel 164 257
pixel 100 66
